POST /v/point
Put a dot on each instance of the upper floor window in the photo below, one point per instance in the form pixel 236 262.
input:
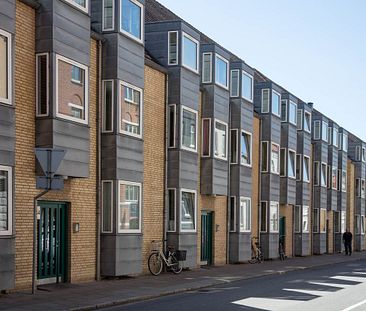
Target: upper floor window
pixel 234 146
pixel 130 110
pixel 246 148
pixel 323 175
pixel 299 119
pixel 363 154
pixel 107 206
pixel 245 214
pixel 325 131
pixel 171 210
pixel 6 199
pixel 5 67
pixel 108 15
pixel 247 86
pixel 71 90
pixel 275 158
pixel 220 140
pixel 188 211
pixel 206 137
pixel 80 4
pixel 172 120
pixel 264 156
pixel 292 113
pixel 234 83
pixel 131 19
pixel 189 129
pixel 335 137
pixel 207 67
pixel 344 142
pixel 42 77
pixel 221 71
pixel 108 94
pixel 316 130
pixel 190 52
pixel 265 100
pixel 306 169
pixel 276 100
pixel 284 110
pixel 173 48
pixel 307 121
pixel 129 207
pixel 291 164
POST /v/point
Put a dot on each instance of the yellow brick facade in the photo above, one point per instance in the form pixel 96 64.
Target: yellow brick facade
pixel 80 194
pixel 330 232
pixel 287 212
pixel 154 159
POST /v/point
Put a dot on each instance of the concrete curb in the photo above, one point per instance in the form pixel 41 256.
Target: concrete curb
pixel 194 288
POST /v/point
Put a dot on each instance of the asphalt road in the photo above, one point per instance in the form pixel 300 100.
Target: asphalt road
pixel 339 287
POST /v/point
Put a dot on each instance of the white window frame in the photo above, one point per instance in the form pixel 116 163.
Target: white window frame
pixel 113 17
pixel 269 100
pixel 323 211
pixel 78 6
pixel 334 168
pixel 218 56
pixel 237 146
pixel 244 73
pixel 283 166
pixel 317 135
pixel 268 157
pixel 325 139
pixel 300 123
pixel 102 218
pixel 121 85
pixel 195 210
pixel 309 169
pixel 245 199
pixel 142 22
pixel 279 160
pixel 181 129
pixel 316 173
pixel 278 216
pixel 177 61
pixel 303 122
pixel 203 67
pixel 279 104
pixel 289 107
pixel 8 100
pixel 315 220
pixel 129 183
pixel 299 164
pixel 250 151
pixel 326 174
pixel 345 177
pixel 308 220
pixel 175 210
pixel 231 83
pixel 234 218
pixel 37 86
pixel 209 137
pixel 103 97
pixel 335 134
pixel 363 154
pixel 345 145
pixel 86 86
pixel 197 52
pixel 358 153
pixel 226 140
pixel 285 103
pixel 175 126
pixel 288 160
pixel 10 200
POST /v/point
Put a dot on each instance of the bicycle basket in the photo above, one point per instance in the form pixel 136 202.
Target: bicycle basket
pixel 156 246
pixel 181 255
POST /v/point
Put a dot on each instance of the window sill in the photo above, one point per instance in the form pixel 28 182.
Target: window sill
pixel 132 37
pixel 77 7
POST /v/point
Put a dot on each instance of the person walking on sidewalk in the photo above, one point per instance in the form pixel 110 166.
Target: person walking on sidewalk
pixel 347 240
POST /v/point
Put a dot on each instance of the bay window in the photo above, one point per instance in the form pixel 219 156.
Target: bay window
pixel 358 187
pixel 291 164
pixel 284 110
pixel 325 131
pixel 6 200
pixel 334 178
pixel 298 166
pixel 234 83
pixel 265 101
pixel 207 68
pixel 190 47
pixel 305 219
pixel 129 207
pixel 80 4
pixel 345 142
pixel 130 110
pixel 358 153
pixel 172 125
pixel 5 67
pixel 335 137
pixel 276 100
pixel 221 71
pixel 188 211
pixel 316 130
pixel 297 218
pixel 107 123
pixel 246 148
pixel 107 206
pixel 245 214
pixel 108 15
pixel 234 146
pixel 323 175
pixel 42 84
pixel 299 119
pixel 273 217
pixel 323 220
pixel 275 158
pixel 189 129
pixel 264 156
pixel 316 174
pixel 206 137
pixel 247 86
pixel 292 113
pixel 344 181
pixel 263 216
pixel 132 19
pixel 171 210
pixel 306 169
pixel 220 144
pixel 71 90
pixel 307 121
pixel 232 223
pixel 173 48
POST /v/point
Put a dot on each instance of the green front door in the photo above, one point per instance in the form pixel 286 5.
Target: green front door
pixel 52 241
pixel 206 238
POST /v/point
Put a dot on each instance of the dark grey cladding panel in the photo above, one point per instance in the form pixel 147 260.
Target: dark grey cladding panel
pixel 288 191
pixel 206 176
pixel 333 156
pixel 173 168
pixel 258 94
pixel 188 242
pixel 215 49
pixel 190 89
pixel 303 193
pixel 302 244
pixel 7 16
pixel 342 160
pixel 96 15
pixel 109 157
pixel 320 197
pixel 274 188
pixel 128 254
pixel 131 61
pixel 108 255
pixel 307 150
pixel 219 177
pixel 342 201
pixel 332 200
pixel 360 170
pixel 246 185
pixel 269 244
pixel 239 247
pixel 236 115
pixel 265 184
pixel 241 66
pixel 130 159
pixel 276 129
pixel 247 116
pixel 7 135
pixel 234 180
pixel 44 133
pixel 266 128
pixel 75 139
pixel 319 243
pixel 221 104
pixel 7 266
pixel 289 136
pixel 110 56
pixel 174 87
pixel 321 151
pixel 189 170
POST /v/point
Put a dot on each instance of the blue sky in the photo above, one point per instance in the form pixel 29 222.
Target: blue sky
pixel 315 49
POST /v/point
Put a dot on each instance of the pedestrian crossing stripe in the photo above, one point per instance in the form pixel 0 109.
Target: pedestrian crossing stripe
pixel 349 278
pixel 319 293
pixel 269 304
pixel 330 284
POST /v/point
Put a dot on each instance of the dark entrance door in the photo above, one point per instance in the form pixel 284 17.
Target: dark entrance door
pixel 206 238
pixel 282 233
pixel 52 241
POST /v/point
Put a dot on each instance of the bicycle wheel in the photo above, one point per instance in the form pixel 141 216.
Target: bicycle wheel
pixel 176 265
pixel 155 264
pixel 253 260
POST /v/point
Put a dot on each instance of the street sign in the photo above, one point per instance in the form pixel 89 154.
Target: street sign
pixel 49 159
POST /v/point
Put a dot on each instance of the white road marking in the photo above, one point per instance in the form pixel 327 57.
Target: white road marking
pixel 319 293
pixel 267 303
pixel 330 284
pixel 357 272
pixel 349 278
pixel 355 306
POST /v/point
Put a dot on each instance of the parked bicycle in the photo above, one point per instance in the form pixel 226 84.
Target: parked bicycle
pixel 257 254
pixel 281 248
pixel 172 260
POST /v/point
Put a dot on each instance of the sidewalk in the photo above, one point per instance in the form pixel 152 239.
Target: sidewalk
pixel 95 295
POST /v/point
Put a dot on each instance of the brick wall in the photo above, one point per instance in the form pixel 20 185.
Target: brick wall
pixel 79 193
pixel 154 160
pixel 287 212
pixel 330 233
pixel 255 177
pixel 350 215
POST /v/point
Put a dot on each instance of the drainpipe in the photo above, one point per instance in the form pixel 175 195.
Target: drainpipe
pixel 260 180
pixel 228 192
pixel 165 220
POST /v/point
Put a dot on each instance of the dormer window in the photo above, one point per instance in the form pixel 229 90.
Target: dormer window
pixel 247 86
pixel 221 71
pixel 131 19
pixel 276 100
pixel 80 4
pixel 190 52
pixel 292 113
pixel 108 15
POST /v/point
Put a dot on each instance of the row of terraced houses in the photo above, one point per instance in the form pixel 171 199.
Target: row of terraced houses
pixel 168 135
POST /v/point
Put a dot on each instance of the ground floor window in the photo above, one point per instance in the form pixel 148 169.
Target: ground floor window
pixel 358 224
pixel 245 214
pixel 171 211
pixel 316 220
pixel 297 218
pixel 323 220
pixel 337 222
pixel 305 219
pixel 129 207
pixel 273 217
pixel 232 214
pixel 6 198
pixel 188 210
pixel 107 213
pixel 263 216
pixel 343 221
